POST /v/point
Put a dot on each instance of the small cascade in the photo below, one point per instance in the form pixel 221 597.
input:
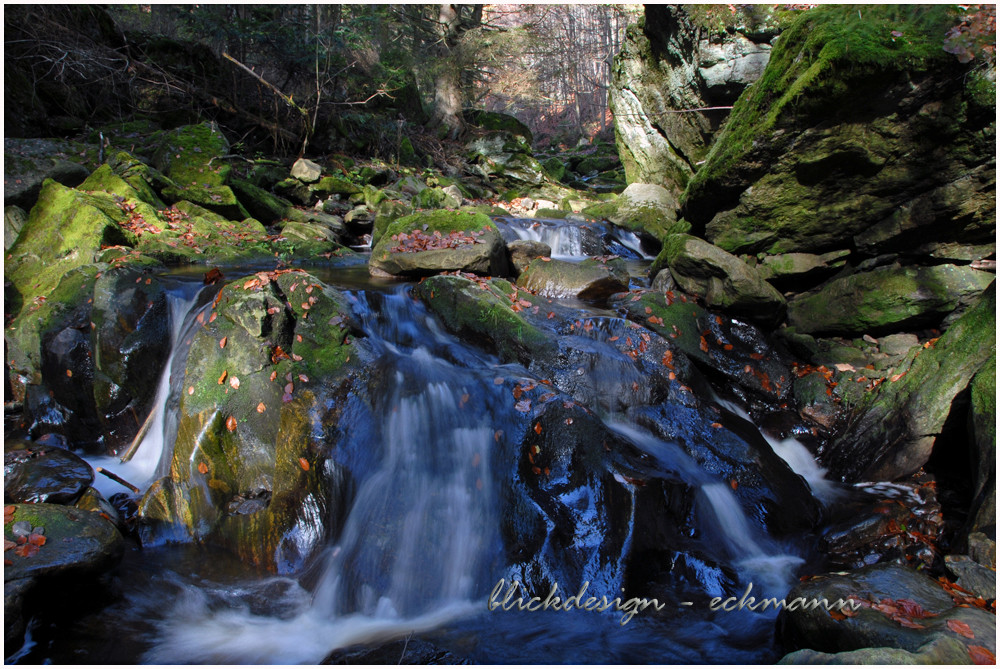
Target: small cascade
pixel 145 465
pixel 567 239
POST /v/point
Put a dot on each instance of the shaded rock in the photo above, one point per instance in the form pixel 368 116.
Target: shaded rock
pixel 503 155
pixel 892 430
pixel 454 194
pixel 13 220
pixel 306 171
pixel 591 279
pixel 886 299
pixel 29 162
pixel 797 271
pixel 523 251
pixel 723 280
pixel 92 500
pixel 333 185
pixel 869 627
pixel 983 420
pixel 487 315
pixel 491 120
pixel 972 576
pixel 667 63
pixel 642 208
pixel 983 550
pixel 898 344
pixel 295 190
pixel 261 204
pixel 14 619
pixel 940 650
pixel 782 178
pixel 76 542
pixel 440 241
pixel 33 473
pixel 404 651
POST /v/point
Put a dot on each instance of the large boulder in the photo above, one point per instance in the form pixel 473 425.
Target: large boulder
pixel 439 241
pixel 667 64
pixel 983 422
pixel 886 299
pixel 505 156
pixel 29 162
pixel 590 279
pixel 723 280
pixel 37 473
pixel 248 470
pixel 908 157
pixel 892 430
pixel 643 208
pixel 897 607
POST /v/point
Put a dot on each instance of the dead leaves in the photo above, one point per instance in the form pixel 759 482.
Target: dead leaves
pixel 981 655
pixel 231 423
pixel 958 627
pixel 417 240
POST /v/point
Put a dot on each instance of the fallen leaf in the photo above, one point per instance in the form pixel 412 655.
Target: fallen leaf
pixel 222 378
pixel 69 373
pixel 958 627
pixel 538 428
pixel 261 408
pixel 190 390
pixel 235 383
pixel 222 342
pixel 202 467
pixel 39 540
pixel 524 406
pixel 304 464
pixel 981 655
pixel 231 424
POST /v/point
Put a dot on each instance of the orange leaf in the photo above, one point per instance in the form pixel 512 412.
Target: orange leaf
pixel 538 428
pixel 235 383
pixel 837 615
pixel 8 513
pixel 981 655
pixel 202 467
pixel 716 425
pixel 958 627
pixel 231 423
pixel 222 379
pixel 190 390
pixel 261 408
pixel 39 540
pixel 304 464
pixel 222 342
pixel 734 484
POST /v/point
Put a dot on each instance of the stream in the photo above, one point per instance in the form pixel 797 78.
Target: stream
pixel 434 502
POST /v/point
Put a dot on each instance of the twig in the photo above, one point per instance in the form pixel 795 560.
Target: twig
pixel 405 644
pixel 117 479
pixel 138 438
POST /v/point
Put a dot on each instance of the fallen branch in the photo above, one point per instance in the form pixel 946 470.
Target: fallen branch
pixel 117 479
pixel 134 446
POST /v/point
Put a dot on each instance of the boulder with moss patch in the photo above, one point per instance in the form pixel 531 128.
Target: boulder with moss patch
pixel 29 162
pixel 439 241
pixel 983 420
pixel 909 158
pixel 590 279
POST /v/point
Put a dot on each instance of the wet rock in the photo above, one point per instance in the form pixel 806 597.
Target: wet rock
pixel 723 280
pixel 431 242
pixel 92 500
pixel 940 650
pixel 33 473
pixel 892 429
pixel 13 220
pixel 887 594
pixel 15 621
pixel 75 542
pixel 983 420
pixel 972 576
pixel 797 271
pixel 591 279
pixel 523 251
pixel 405 651
pixel 887 299
pixel 29 162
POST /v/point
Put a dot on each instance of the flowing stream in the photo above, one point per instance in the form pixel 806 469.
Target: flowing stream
pixel 420 548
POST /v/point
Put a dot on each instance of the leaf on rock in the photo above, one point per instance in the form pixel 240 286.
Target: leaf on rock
pixel 304 464
pixel 261 408
pixel 235 383
pixel 981 655
pixel 231 423
pixel 222 342
pixel 202 468
pixel 524 406
pixel 222 377
pixel 958 627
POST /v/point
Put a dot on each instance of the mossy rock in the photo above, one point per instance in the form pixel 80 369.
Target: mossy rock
pixel 13 220
pixel 590 279
pixel 592 164
pixel 261 204
pixel 485 315
pixel 246 459
pixel 331 185
pixel 76 542
pixel 449 241
pixel 64 230
pixel 554 168
pixel 138 175
pixel 296 191
pixel 983 421
pixel 489 120
pixel 29 162
pixel 886 299
pixel 891 432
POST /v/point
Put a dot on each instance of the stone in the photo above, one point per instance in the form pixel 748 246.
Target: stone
pixel 306 171
pixel 29 162
pixel 798 271
pixel 724 281
pixel 868 627
pixel 983 421
pixel 983 550
pixel 13 220
pixel 886 299
pixel 427 243
pixel 261 204
pixel 454 197
pixel 972 576
pixel 76 542
pixel 501 155
pixel 940 650
pixel 590 279
pixel 642 207
pixel 892 429
pixel 33 473
pixel 523 251
pixel 898 344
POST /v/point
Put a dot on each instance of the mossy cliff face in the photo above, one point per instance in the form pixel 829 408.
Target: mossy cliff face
pixel 248 468
pixel 667 63
pixel 860 124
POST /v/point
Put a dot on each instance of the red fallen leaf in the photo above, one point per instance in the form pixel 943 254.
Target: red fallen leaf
pixel 305 305
pixel 289 388
pixel 222 379
pixel 958 627
pixel 524 406
pixel 296 357
pixel 8 563
pixel 716 425
pixel 39 540
pixel 897 377
pixel 212 317
pixel 703 345
pixel 718 320
pixel 69 373
pixel 544 259
pixel 201 317
pixel 837 615
pixel 190 390
pixel 538 428
pixel 727 347
pixel 673 376
pixel 202 467
pixel 278 354
pixel 235 383
pixel 298 338
pixel 981 655
pixel 231 423
pixel 648 311
pixel 551 314
pixel 304 464
pixel 274 375
pixel 286 398
pixel 615 338
pixel 756 356
pixel 305 379
pixel 261 408
pixel 212 275
pixel 26 550
pixel 734 484
pixel 498 381
pixel 497 435
pixel 8 544
pixel 222 342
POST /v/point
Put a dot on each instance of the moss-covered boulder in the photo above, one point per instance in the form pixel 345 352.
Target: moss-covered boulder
pixel 983 421
pixel 333 185
pixel 798 271
pixel 590 279
pixel 490 120
pixel 646 209
pixel 485 311
pixel 75 542
pixel 506 157
pixel 892 430
pixel 248 466
pixel 263 205
pixel 886 299
pixel 29 162
pixel 724 281
pixel 908 157
pixel 898 607
pixel 439 241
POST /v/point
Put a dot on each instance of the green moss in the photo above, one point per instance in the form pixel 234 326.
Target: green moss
pixel 809 66
pixel 335 185
pixel 441 221
pixel 260 203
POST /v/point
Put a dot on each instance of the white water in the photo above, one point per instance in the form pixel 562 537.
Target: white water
pixel 141 469
pixel 565 240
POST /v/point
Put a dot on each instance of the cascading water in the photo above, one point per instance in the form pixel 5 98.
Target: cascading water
pixel 146 463
pixel 573 239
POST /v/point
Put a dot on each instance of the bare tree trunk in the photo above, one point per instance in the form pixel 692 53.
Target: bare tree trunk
pixel 448 79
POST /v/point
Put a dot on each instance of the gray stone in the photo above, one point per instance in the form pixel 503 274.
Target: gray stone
pixel 306 171
pixel 897 344
pixel 455 194
pixel 523 251
pixel 589 279
pixel 979 580
pixel 983 550
pixel 13 220
pixel 940 650
pixel 29 162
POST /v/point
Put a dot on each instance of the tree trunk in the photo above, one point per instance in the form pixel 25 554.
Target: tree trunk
pixel 450 27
